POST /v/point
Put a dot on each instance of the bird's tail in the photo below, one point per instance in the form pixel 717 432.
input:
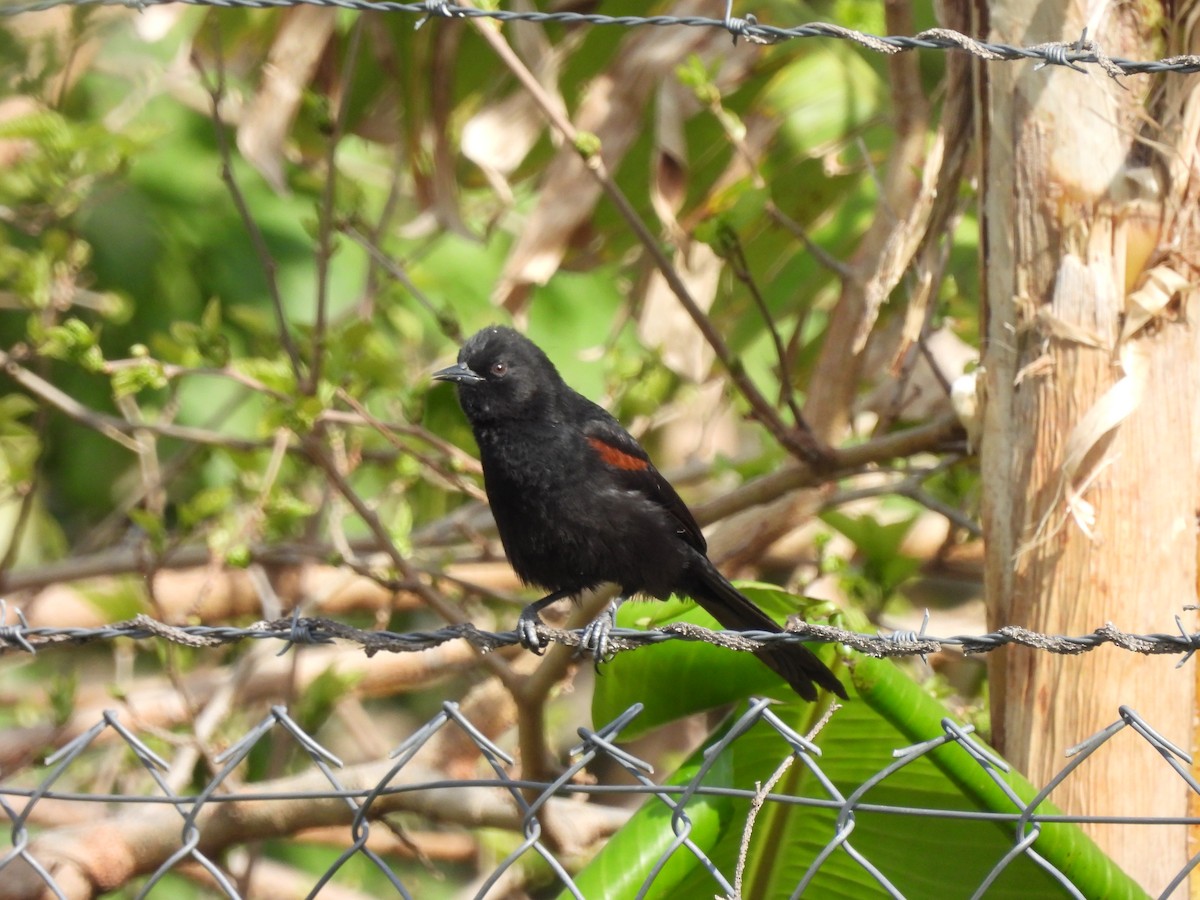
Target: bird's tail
pixel 795 663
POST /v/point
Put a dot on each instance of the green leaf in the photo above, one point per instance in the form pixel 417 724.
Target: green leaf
pixel 715 675
pixel 14 407
pixel 628 857
pixel 823 96
pixel 205 504
pixel 587 143
pixel 886 711
pixel 274 373
pixel 146 375
pixel 284 514
pixel 879 545
pixel 151 524
pixel 72 341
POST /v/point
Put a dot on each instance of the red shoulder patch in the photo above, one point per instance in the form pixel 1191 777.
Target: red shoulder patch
pixel 616 458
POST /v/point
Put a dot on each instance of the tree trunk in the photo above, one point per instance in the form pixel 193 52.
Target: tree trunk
pixel 1091 444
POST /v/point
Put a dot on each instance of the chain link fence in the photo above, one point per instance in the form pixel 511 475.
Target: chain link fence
pixel 153 810
pixel 144 837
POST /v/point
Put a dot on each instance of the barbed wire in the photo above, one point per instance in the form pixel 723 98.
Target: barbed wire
pixel 305 630
pixel 1070 54
pixel 194 827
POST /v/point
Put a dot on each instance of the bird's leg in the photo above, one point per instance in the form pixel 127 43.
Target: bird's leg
pixel 530 619
pixel 594 639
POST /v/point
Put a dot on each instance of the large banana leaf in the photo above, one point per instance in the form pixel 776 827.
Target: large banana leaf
pixel 898 824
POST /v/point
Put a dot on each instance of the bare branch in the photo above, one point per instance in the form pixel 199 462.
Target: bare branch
pixel 413 578
pixel 736 258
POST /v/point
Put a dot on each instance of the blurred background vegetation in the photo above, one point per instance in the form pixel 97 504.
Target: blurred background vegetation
pixel 234 243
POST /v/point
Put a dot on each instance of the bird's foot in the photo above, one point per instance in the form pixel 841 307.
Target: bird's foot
pixel 527 630
pixel 594 639
pixel 530 621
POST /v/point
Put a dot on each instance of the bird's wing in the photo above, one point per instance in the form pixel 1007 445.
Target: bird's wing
pixel 621 454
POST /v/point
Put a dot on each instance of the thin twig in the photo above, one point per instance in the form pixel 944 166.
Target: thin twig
pixel 173 372
pixel 110 426
pixel 416 584
pixel 366 308
pixel 736 258
pixel 326 212
pixel 762 794
pixel 449 476
pixel 216 92
pixel 149 467
pixel 927 438
pixel 912 487
pixel 393 268
pixel 27 491
pixel 362 418
pixel 815 250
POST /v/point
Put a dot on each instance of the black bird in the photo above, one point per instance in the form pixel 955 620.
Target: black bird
pixel 578 502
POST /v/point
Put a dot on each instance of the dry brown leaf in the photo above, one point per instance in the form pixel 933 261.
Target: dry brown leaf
pixel 668 176
pixel 1147 303
pixel 923 395
pixel 665 323
pixel 902 242
pixel 52 36
pixel 500 135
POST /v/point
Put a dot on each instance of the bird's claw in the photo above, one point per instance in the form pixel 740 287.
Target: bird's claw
pixel 594 638
pixel 528 634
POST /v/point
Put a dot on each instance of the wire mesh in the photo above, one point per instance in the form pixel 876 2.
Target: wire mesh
pixel 148 834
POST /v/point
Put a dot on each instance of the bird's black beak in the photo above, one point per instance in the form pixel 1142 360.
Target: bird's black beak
pixel 459 373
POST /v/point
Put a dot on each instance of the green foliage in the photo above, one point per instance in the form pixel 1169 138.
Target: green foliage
pixel 145 374
pixel 73 341
pixel 72 158
pixel 201 343
pixel 714 675
pixel 587 144
pixel 285 515
pixel 887 711
pixel 206 504
pixel 880 569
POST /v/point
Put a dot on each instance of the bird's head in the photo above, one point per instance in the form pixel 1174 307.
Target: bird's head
pixel 502 376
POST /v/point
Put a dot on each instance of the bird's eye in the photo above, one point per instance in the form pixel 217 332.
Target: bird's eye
pixel 499 369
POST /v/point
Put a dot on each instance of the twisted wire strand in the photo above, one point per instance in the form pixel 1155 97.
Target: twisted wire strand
pixel 1070 54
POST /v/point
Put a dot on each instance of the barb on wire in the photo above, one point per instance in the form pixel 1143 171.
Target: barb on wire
pixel 298 630
pixel 1071 54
